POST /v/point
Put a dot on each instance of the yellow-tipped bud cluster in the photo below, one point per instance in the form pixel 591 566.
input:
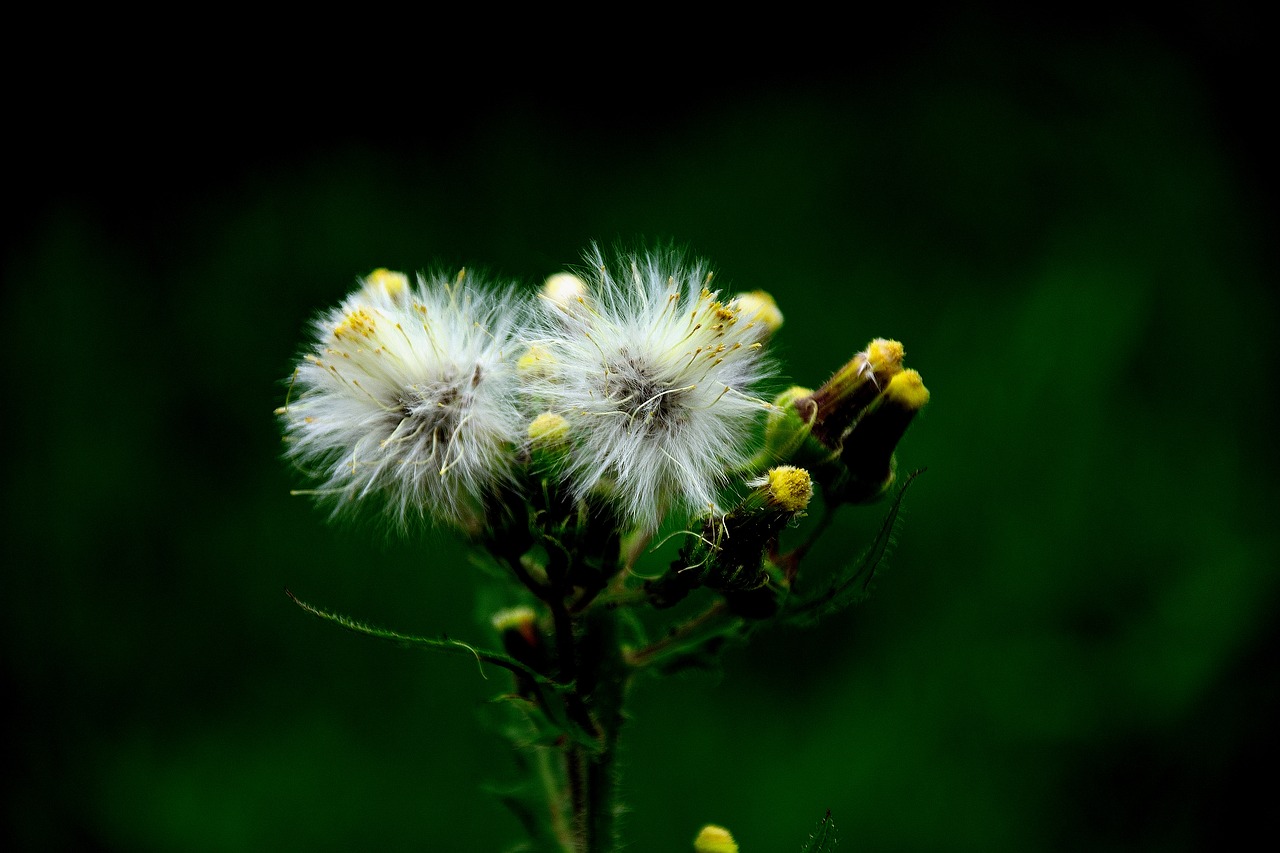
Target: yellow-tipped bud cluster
pixel 847 430
pixel 842 399
pixel 714 839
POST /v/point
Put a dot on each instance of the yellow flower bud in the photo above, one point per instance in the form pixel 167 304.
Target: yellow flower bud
pixel 536 363
pixel 758 309
pixel 565 291
pixel 790 488
pixel 548 431
pixel 714 839
pixel 383 281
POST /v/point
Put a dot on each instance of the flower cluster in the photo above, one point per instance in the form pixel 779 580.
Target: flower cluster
pixel 560 430
pixel 429 397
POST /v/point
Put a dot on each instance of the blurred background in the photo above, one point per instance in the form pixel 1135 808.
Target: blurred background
pixel 1070 228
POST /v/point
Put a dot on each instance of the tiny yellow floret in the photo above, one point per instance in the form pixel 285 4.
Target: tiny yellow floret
pixel 758 306
pixel 790 487
pixel 548 430
pixel 714 839
pixel 907 390
pixel 383 280
pixel 358 322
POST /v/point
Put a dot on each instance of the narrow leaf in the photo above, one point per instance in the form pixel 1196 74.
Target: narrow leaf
pixel 442 644
pixel 846 590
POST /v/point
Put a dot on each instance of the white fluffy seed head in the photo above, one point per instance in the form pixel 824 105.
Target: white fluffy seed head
pixel 408 396
pixel 656 377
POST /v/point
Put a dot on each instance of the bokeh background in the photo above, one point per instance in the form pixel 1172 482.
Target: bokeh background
pixel 1071 229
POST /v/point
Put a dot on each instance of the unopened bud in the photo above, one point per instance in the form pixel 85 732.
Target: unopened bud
pixel 385 283
pixel 522 620
pixel 788 426
pixel 548 430
pixel 759 311
pixel 522 639
pixel 729 552
pixel 844 397
pixel 868 448
pixel 566 291
pixel 790 488
pixel 714 839
pixel 536 363
pixel 548 441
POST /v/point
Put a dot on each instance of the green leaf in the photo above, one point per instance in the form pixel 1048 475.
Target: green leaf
pixel 442 644
pixel 846 590
pixel 823 837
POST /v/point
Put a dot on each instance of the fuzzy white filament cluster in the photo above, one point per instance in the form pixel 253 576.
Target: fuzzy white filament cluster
pixel 654 373
pixel 408 395
pixel 426 396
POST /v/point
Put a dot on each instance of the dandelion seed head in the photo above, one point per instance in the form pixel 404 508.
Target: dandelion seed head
pixel 656 375
pixel 406 396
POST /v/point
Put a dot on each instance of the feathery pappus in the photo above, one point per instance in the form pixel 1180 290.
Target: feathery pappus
pixel 656 374
pixel 407 394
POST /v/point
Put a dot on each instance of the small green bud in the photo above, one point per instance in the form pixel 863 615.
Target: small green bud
pixel 788 428
pixel 714 839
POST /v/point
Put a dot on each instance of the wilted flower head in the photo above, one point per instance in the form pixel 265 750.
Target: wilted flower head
pixel 407 395
pixel 654 373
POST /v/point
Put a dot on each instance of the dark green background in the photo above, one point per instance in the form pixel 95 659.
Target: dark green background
pixel 1071 231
